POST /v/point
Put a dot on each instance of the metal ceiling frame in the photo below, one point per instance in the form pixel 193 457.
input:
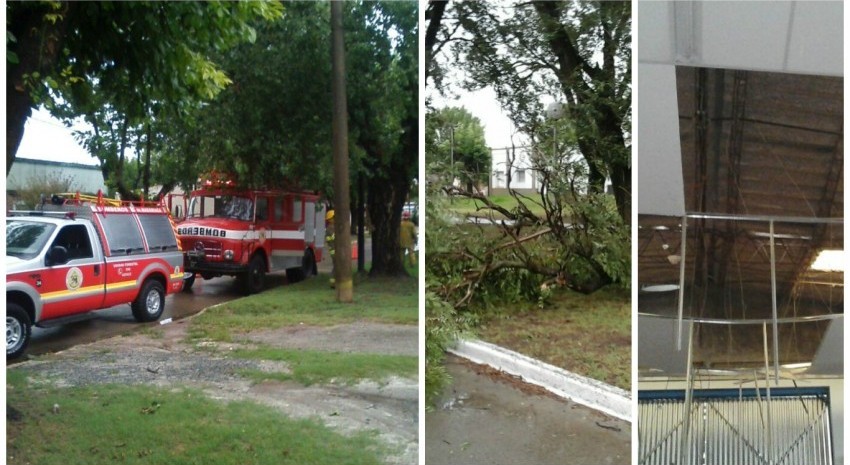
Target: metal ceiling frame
pixel 774 320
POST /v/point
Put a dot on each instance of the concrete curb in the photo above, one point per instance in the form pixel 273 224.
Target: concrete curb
pixel 586 391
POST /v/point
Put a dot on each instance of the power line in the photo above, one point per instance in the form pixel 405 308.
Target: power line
pixel 50 123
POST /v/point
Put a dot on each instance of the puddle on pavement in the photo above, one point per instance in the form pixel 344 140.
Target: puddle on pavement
pixel 485 420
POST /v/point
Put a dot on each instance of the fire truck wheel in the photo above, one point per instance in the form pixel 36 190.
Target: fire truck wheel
pixel 18 330
pixel 150 302
pixel 295 275
pixel 307 268
pixel 255 279
pixel 187 283
pixel 310 268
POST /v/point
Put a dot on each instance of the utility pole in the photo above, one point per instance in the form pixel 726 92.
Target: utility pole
pixel 452 158
pixel 342 216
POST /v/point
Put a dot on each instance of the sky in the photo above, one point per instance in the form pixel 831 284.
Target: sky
pixel 483 105
pixel 46 138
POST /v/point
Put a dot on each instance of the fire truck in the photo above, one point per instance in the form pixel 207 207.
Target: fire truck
pixel 248 233
pixel 79 254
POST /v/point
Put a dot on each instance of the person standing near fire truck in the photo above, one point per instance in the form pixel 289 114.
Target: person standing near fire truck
pixel 329 242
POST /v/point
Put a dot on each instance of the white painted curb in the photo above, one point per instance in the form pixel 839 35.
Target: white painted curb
pixel 586 391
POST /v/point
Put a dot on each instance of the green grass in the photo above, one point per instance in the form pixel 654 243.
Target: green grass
pixel 144 425
pixel 318 367
pixel 311 302
pixel 586 334
pixel 471 207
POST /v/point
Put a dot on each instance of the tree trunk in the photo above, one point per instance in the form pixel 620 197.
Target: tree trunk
pixel 602 116
pixel 386 200
pixel 434 16
pixel 37 46
pixel 146 179
pixel 386 195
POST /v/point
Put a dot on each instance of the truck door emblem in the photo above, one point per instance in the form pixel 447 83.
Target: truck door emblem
pixel 74 279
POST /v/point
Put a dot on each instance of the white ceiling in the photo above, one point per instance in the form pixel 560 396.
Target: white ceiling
pixel 790 37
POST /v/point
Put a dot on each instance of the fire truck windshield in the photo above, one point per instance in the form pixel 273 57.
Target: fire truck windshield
pixel 25 239
pixel 221 206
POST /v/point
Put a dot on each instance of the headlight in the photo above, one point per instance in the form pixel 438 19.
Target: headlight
pixel 228 255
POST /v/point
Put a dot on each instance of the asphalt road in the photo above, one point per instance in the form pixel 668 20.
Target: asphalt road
pixel 119 319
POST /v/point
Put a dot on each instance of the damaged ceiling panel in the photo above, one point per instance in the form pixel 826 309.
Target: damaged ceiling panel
pixel 756 147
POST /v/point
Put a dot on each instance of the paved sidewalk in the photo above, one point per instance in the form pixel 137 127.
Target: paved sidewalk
pixel 495 419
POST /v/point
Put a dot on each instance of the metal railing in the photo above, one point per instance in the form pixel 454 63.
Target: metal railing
pixel 730 426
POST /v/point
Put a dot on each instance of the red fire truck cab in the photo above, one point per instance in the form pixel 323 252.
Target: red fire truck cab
pixel 248 233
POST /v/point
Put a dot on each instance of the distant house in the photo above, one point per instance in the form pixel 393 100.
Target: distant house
pixel 27 174
pixel 517 162
pixel 522 177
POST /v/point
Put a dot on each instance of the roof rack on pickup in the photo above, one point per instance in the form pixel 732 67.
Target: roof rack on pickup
pixel 53 214
pixel 99 200
pixel 85 205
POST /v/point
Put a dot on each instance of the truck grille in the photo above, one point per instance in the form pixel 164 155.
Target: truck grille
pixel 212 249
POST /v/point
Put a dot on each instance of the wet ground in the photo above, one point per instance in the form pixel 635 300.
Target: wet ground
pixel 387 408
pixel 119 320
pixel 484 418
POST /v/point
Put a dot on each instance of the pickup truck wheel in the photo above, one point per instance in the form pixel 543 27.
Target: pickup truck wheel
pixel 187 283
pixel 150 302
pixel 18 330
pixel 255 279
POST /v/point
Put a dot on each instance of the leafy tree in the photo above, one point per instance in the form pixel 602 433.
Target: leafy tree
pixel 383 76
pixel 272 126
pixel 454 135
pixel 120 58
pixel 578 51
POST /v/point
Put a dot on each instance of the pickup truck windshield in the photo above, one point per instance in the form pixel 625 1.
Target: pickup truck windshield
pixel 222 206
pixel 25 239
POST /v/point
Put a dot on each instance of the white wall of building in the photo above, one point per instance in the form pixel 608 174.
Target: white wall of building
pixel 522 176
pixel 84 178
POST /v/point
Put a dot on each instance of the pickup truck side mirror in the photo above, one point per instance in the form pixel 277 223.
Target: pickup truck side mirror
pixel 57 255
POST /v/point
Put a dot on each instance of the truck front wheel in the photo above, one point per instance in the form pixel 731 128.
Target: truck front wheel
pixel 150 302
pixel 18 330
pixel 255 278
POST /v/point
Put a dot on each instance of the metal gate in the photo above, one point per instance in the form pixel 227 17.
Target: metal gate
pixel 781 426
